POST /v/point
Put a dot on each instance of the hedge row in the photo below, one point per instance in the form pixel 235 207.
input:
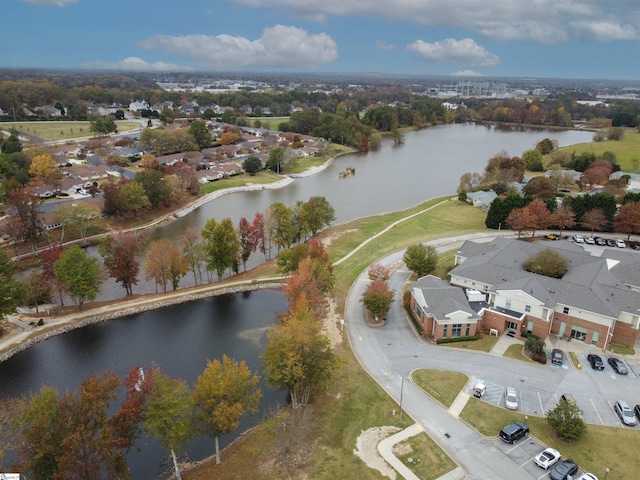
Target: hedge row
pixel 457 339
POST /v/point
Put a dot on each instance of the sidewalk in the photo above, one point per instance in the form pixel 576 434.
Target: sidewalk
pixel 385 448
pixel 503 343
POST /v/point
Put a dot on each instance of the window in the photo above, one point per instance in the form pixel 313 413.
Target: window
pixel 565 310
pixel 456 330
pixel 529 326
pixel 485 288
pixel 444 332
pixel 527 308
pixel 468 330
pixel 507 303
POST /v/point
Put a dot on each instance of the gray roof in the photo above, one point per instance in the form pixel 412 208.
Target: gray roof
pixel 591 283
pixel 439 298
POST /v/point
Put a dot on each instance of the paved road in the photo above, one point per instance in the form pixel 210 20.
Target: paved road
pixel 393 351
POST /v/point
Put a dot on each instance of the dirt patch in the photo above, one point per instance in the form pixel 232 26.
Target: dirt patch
pixel 332 326
pixel 328 238
pixel 402 448
pixel 367 449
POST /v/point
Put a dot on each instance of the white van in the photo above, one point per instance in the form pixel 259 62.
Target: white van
pixel 511 398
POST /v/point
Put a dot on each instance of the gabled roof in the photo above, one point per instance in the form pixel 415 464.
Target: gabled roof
pixel 591 283
pixel 440 299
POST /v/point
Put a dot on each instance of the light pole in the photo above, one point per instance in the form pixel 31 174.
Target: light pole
pixel 606 470
pixel 401 391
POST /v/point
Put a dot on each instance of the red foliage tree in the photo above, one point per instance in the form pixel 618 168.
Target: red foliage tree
pixel 627 220
pixel 120 254
pixel 378 298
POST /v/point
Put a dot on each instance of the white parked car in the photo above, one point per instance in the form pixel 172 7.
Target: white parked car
pixel 547 458
pixel 511 398
pixel 587 476
pixel 578 238
pixel 590 241
pixel 620 243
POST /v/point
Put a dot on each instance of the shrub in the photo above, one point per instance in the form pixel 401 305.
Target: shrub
pixel 547 262
pixel 566 421
pixel 457 339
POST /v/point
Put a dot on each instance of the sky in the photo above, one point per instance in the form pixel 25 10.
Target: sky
pixel 492 38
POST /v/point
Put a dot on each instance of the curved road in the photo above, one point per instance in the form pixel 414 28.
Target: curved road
pixel 393 351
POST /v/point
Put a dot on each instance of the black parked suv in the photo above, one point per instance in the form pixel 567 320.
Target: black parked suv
pixel 563 470
pixel 514 432
pixel 595 361
pixel 556 356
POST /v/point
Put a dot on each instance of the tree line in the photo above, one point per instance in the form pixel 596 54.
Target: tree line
pixel 87 434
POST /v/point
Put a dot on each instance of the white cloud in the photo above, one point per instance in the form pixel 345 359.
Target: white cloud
pixel 543 21
pixel 382 45
pixel 466 73
pixel 51 3
pixel 134 64
pixel 605 31
pixel 461 52
pixel 279 47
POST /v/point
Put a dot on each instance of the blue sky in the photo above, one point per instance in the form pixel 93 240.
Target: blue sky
pixel 494 38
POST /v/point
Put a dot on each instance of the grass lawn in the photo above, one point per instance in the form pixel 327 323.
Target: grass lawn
pixel 627 150
pixel 515 351
pixel 441 385
pixel 575 361
pixel 304 163
pixel 264 177
pixel 600 447
pixel 428 460
pixel 484 344
pixel 52 131
pixel 622 350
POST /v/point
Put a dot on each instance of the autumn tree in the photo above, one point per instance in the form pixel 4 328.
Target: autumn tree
pixel 290 260
pixel 79 274
pixel 627 220
pixel 221 245
pixel 149 161
pixel 36 290
pixel 563 217
pixel 49 257
pixel 169 414
pixel 224 392
pixel 540 187
pixel 594 220
pixel 192 249
pixel 11 289
pixel 44 169
pixel 378 272
pixel 378 298
pixel 539 214
pixel 131 197
pixel 77 216
pixel 165 264
pixel 519 220
pixel 247 240
pixel 298 357
pixel 120 253
pixel 229 138
pixel 304 282
pixel 420 259
pixel 262 239
pixel 26 218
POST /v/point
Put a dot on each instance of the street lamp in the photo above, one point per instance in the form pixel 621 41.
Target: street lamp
pixel 401 391
pixel 606 470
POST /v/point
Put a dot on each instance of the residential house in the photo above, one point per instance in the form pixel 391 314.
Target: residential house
pixel 481 198
pixel 597 301
pixel 86 172
pixel 138 106
pixel 634 179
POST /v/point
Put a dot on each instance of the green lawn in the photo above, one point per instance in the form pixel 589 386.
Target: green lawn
pixel 441 385
pixel 484 344
pixel 627 150
pixel 264 177
pixel 424 457
pixel 600 447
pixel 52 131
pixel 515 351
pixel 575 361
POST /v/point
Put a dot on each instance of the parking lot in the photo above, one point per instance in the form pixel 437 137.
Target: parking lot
pixel 523 452
pixel 607 368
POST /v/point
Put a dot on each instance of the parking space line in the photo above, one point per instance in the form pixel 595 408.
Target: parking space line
pixel 615 413
pixel 542 476
pixel 540 401
pixel 513 448
pixel 597 413
pixel 527 461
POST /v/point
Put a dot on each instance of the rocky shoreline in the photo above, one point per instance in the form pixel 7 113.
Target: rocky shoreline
pixel 71 325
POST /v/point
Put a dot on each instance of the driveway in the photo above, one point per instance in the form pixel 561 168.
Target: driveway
pixel 394 351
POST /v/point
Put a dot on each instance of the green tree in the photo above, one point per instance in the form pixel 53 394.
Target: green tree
pixel 79 274
pixel 101 125
pixel 169 415
pixel 132 197
pixel 281 225
pixel 222 394
pixel 548 262
pixel 12 144
pixel 221 245
pixel 420 259
pixel 12 291
pixel 200 134
pixel 155 187
pixel 533 160
pixel 501 208
pixel 567 421
pixel 252 165
pixel 276 157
